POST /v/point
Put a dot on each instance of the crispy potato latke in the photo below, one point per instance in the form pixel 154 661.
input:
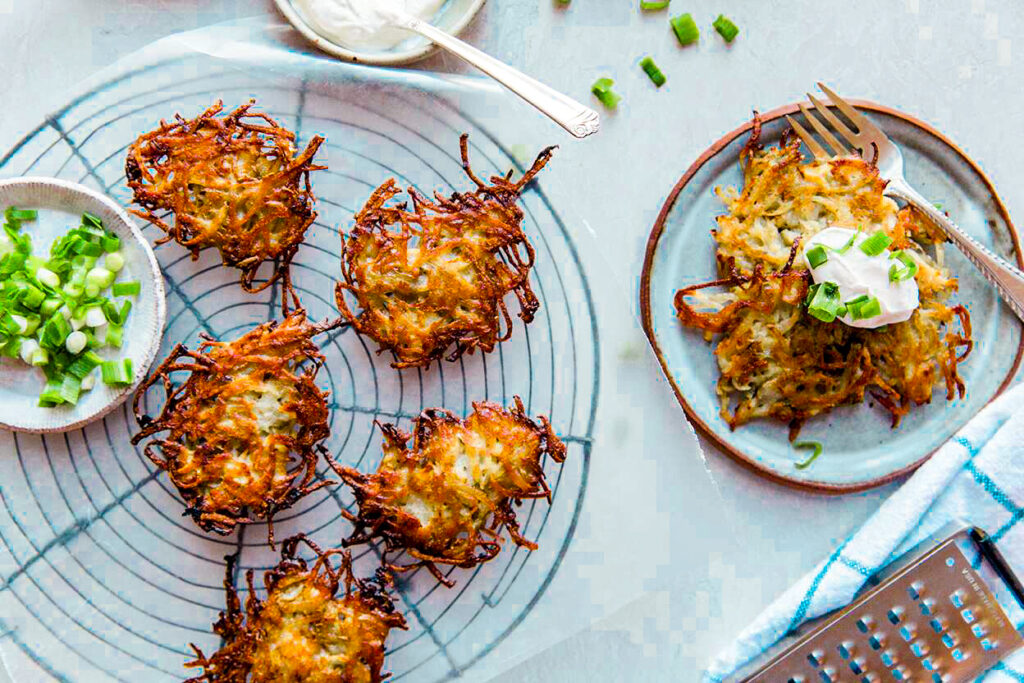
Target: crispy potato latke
pixel 435 276
pixel 233 183
pixel 303 632
pixel 238 420
pixel 445 499
pixel 775 359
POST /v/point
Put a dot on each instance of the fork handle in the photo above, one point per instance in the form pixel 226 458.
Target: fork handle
pixel 1008 280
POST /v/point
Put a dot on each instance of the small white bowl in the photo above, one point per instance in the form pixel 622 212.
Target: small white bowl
pixel 60 204
pixel 454 16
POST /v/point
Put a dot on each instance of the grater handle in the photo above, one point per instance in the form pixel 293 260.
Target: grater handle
pixel 991 553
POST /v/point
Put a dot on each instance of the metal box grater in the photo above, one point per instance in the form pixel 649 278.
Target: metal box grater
pixel 931 617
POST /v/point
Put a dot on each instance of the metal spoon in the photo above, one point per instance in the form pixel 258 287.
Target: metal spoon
pixel 576 118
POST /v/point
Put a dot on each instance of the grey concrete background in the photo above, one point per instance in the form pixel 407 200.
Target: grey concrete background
pixel 954 64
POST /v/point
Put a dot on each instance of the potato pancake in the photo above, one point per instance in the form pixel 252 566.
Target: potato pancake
pixel 234 183
pixel 244 428
pixel 303 631
pixel 445 499
pixel 434 276
pixel 776 360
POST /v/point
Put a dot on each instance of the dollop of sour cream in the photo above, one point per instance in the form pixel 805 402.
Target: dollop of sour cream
pixel 859 274
pixel 364 24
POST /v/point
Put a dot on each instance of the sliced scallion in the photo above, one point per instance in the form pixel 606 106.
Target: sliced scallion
pixel 653 5
pixel 898 273
pixel 816 256
pixel 602 89
pixel 726 28
pixel 117 372
pixel 652 71
pixel 685 29
pixel 818 448
pixel 824 303
pixel 876 243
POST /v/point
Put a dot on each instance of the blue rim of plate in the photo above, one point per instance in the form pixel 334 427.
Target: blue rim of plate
pixel 646 313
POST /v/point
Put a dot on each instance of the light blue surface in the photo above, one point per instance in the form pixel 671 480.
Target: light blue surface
pixel 859 444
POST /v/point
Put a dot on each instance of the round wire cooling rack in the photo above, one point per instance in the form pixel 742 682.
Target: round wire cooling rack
pixel 101 577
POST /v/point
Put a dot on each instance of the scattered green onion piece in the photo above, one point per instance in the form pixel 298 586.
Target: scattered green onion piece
pixel 88 219
pixel 111 243
pixel 909 269
pixel 50 306
pixel 126 288
pixel 652 71
pixel 117 372
pixel 685 29
pixel 652 5
pixel 816 256
pixel 876 243
pixel 602 89
pixel 76 342
pixel 868 309
pixel 726 28
pixel 849 243
pixel 40 357
pixel 126 308
pixel 824 304
pixel 818 449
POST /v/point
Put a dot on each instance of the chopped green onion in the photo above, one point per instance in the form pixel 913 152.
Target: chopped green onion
pixel 70 387
pixel 864 307
pixel 94 317
pixel 48 277
pixel 726 28
pixel 51 395
pixel 99 277
pixel 652 71
pixel 88 219
pixel 114 336
pixel 909 269
pixel 114 372
pixel 114 262
pixel 76 342
pixel 816 256
pixel 126 288
pixel 685 29
pixel 602 89
pixel 50 306
pixel 876 243
pixel 824 303
pixel 84 364
pixel 110 243
pixel 818 448
pixel 651 5
pixel 849 243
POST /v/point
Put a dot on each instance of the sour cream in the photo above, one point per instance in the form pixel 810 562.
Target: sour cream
pixel 364 24
pixel 858 274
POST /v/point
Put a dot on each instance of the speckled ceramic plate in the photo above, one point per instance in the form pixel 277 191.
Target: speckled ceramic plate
pixel 861 450
pixel 453 17
pixel 60 204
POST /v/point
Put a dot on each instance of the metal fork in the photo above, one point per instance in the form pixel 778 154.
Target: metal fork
pixel 872 144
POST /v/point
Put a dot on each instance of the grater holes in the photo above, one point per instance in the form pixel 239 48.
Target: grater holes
pixel 988 645
pixel 959 655
pixel 815 658
pixel 844 649
pixel 875 641
pixel 920 649
pixel 948 640
pixel 907 632
pixel 864 624
pixel 957 599
pixel 900 674
pixel 937 625
pixel 968 616
pixel 827 675
pixel 895 615
pixel 979 631
pixel 914 590
pixel 857 666
pixel 927 607
pixel 928 664
pixel 888 659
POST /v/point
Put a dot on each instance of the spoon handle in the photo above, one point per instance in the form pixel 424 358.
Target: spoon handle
pixel 579 120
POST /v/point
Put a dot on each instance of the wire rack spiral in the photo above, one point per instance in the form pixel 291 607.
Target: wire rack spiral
pixel 101 578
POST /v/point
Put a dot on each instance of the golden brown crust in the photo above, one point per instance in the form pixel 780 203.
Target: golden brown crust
pixel 244 428
pixel 302 632
pixel 435 276
pixel 233 183
pixel 777 361
pixel 445 499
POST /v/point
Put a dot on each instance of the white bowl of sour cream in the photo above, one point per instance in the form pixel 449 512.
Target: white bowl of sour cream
pixel 358 30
